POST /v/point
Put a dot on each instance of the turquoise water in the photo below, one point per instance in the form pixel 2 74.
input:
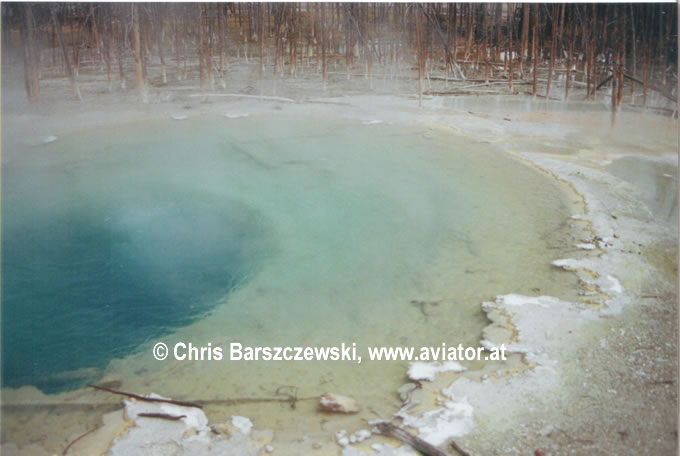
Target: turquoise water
pixel 101 252
pixel 269 230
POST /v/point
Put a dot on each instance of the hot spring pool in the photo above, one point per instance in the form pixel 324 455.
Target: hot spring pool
pixel 266 230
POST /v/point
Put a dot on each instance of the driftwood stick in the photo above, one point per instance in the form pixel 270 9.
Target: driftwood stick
pixel 146 399
pixel 290 392
pixel 73 442
pixel 416 443
pixel 457 447
pixel 162 416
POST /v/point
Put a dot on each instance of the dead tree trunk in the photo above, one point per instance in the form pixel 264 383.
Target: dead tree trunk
pixel 31 62
pixel 570 50
pixel 222 16
pixel 525 37
pixel 454 32
pixel 632 23
pixel 178 71
pixel 261 24
pixel 53 46
pixel 220 39
pixel 292 52
pixel 469 25
pixel 261 39
pixel 106 44
pixel 209 8
pixel 279 13
pixel 67 61
pixel 553 50
pixel 645 60
pixel 668 19
pixel 75 49
pixel 616 67
pixel 159 34
pixel 485 42
pixel 120 49
pixel 622 57
pixel 201 47
pixel 590 88
pixel 497 28
pixel 508 54
pixel 348 40
pixel 420 55
pixel 141 83
pixel 94 30
pixel 534 48
pixel 323 45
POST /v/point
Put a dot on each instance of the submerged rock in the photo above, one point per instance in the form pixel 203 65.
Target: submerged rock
pixel 337 403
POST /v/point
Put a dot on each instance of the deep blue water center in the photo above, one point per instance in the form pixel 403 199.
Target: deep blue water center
pixel 102 253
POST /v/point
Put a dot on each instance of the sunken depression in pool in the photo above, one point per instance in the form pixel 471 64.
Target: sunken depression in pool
pixel 339 229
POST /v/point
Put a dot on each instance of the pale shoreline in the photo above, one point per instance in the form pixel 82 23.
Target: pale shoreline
pixel 558 346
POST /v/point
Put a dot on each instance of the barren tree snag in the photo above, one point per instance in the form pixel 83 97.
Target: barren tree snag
pixel 141 83
pixel 67 61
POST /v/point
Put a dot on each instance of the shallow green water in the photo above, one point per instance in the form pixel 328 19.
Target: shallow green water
pixel 656 184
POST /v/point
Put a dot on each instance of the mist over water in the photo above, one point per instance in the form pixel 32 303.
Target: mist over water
pixel 102 252
pixel 265 231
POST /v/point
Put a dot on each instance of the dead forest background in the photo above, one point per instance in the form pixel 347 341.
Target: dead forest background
pixel 557 51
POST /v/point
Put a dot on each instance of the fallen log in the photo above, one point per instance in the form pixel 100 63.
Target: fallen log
pixel 604 81
pixel 416 443
pixel 660 90
pixel 660 110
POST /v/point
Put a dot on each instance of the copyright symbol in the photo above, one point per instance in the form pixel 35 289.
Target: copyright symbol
pixel 160 351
